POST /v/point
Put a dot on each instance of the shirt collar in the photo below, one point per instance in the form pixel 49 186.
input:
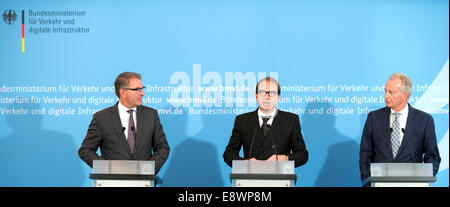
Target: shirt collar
pixel 122 108
pixel 404 111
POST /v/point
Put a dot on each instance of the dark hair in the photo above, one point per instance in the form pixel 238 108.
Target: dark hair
pixel 123 80
pixel 271 80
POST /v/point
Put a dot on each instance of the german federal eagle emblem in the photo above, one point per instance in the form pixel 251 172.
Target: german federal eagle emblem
pixel 9 16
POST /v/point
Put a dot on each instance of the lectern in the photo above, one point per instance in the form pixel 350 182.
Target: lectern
pixel 258 173
pixel 123 173
pixel 401 175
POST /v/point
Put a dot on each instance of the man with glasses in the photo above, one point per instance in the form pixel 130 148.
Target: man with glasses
pixel 267 133
pixel 127 130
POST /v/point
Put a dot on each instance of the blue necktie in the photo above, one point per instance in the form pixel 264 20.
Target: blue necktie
pixel 395 137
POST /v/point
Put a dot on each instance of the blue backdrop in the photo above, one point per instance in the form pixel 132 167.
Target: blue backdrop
pixel 200 61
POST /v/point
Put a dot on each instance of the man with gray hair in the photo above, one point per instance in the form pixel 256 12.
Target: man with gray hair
pixel 398 133
pixel 127 130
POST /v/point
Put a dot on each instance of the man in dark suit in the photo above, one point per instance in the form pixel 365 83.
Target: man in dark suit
pixel 266 132
pixel 127 130
pixel 398 133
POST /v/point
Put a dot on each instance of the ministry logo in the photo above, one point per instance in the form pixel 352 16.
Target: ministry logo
pixel 9 16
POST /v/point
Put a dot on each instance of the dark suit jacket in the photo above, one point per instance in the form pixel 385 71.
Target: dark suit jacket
pixel 376 145
pixel 285 130
pixel 105 131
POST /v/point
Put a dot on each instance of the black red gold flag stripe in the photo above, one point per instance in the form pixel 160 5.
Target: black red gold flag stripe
pixel 23 31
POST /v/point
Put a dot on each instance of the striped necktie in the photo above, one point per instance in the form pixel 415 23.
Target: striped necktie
pixel 395 137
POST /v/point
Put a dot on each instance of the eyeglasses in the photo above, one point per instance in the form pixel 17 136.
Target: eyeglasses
pixel 265 93
pixel 135 89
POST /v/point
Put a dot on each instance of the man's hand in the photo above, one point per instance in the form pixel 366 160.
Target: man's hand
pixel 280 158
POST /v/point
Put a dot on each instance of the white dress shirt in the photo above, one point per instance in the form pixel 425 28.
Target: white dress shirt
pixel 125 117
pixel 402 120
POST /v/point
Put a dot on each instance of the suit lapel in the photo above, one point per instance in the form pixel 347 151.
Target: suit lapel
pixel 254 120
pixel 408 127
pixel 259 138
pixel 139 126
pixel 386 118
pixel 115 118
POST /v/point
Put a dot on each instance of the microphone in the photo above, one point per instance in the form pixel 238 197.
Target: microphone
pixel 251 146
pixel 134 131
pixel 274 147
pixel 410 149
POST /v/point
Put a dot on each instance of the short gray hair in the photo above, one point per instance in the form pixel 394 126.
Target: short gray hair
pixel 123 80
pixel 406 85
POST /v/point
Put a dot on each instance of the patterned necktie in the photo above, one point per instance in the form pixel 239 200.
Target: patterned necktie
pixel 265 127
pixel 131 131
pixel 395 137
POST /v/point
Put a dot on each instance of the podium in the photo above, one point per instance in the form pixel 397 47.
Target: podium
pixel 401 175
pixel 258 173
pixel 123 173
